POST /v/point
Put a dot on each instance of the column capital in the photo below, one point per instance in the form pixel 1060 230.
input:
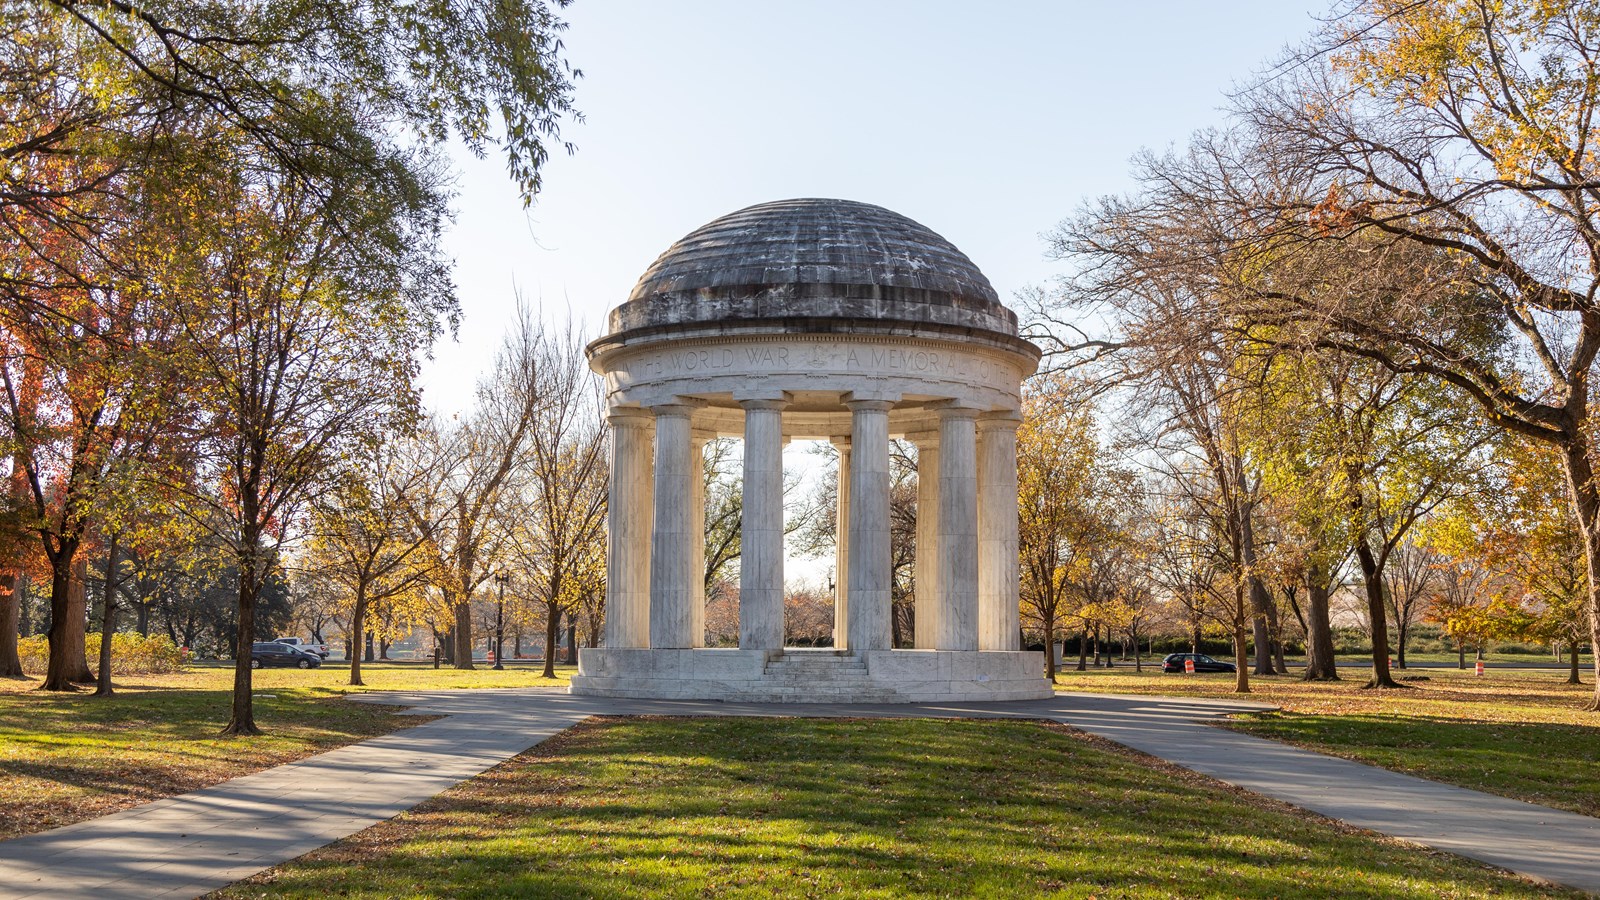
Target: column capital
pixel 678 407
pixel 1003 418
pixel 953 409
pixel 855 405
pixel 630 417
pixel 861 399
pixel 762 398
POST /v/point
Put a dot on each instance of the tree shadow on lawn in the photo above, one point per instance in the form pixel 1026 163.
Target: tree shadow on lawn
pixel 797 807
pixel 1553 764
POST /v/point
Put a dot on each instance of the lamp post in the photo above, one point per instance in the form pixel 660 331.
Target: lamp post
pixel 500 620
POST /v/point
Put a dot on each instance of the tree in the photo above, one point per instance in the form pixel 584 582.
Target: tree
pixel 472 459
pixel 85 385
pixel 300 333
pixel 117 122
pixel 556 520
pixel 359 543
pixel 1416 188
pixel 1521 535
pixel 1057 458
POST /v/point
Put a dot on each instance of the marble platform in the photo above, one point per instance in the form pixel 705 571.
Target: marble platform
pixel 811 676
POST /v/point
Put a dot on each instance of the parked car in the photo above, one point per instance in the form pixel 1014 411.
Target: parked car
pixel 277 653
pixel 1202 663
pixel 321 650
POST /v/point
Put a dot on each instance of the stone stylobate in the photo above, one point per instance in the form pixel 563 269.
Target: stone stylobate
pixel 815 320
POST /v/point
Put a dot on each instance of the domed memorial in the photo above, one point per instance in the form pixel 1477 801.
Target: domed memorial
pixel 814 320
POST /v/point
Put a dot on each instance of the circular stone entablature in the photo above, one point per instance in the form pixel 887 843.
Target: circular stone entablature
pixel 821 300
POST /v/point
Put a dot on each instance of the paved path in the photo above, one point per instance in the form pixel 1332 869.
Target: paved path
pixel 189 845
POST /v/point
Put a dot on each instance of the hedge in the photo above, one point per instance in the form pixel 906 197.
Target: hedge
pixel 131 654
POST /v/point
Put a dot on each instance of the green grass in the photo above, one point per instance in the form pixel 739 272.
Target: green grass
pixel 801 807
pixel 1519 734
pixel 69 757
pixel 394 676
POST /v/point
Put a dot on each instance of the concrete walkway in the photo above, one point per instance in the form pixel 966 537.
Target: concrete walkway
pixel 189 845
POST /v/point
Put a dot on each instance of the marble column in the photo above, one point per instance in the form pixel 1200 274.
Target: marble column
pixel 870 568
pixel 672 544
pixel 999 625
pixel 697 500
pixel 761 534
pixel 841 548
pixel 630 514
pixel 958 530
pixel 926 565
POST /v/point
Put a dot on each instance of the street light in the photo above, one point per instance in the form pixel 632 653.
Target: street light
pixel 500 621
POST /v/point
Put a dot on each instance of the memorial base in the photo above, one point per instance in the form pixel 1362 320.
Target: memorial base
pixel 812 676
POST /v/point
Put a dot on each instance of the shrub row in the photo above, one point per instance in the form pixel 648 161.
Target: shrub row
pixel 131 654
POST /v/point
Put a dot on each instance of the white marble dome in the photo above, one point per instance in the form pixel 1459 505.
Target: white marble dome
pixel 814 263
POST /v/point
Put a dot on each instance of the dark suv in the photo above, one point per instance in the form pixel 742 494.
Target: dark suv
pixel 1202 663
pixel 272 653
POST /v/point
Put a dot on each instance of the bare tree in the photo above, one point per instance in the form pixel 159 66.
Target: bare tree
pixel 472 457
pixel 555 517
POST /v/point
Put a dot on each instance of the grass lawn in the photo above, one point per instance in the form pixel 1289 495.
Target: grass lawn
pixel 68 757
pixel 807 807
pixel 1519 734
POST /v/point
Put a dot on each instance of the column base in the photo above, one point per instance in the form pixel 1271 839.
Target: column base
pixel 804 675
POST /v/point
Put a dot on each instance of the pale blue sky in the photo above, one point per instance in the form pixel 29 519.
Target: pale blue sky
pixel 987 122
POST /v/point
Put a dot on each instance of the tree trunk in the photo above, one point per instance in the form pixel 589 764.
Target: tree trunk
pixel 13 582
pixel 1400 644
pixel 1241 678
pixel 367 650
pixel 243 718
pixel 10 622
pixel 552 637
pixel 383 648
pixel 59 669
pixel 358 625
pixel 1461 654
pixel 1083 649
pixel 108 621
pixel 1050 648
pixel 78 623
pixel 572 639
pixel 1586 505
pixel 1138 664
pixel 1381 677
pixel 1572 673
pixel 1260 601
pixel 463 635
pixel 1320 662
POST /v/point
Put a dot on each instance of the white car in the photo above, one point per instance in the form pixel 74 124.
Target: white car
pixel 319 649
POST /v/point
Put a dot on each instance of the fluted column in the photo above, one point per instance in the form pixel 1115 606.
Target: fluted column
pixel 958 530
pixel 870 566
pixel 927 562
pixel 630 513
pixel 697 500
pixel 841 549
pixel 761 534
pixel 672 545
pixel 999 626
